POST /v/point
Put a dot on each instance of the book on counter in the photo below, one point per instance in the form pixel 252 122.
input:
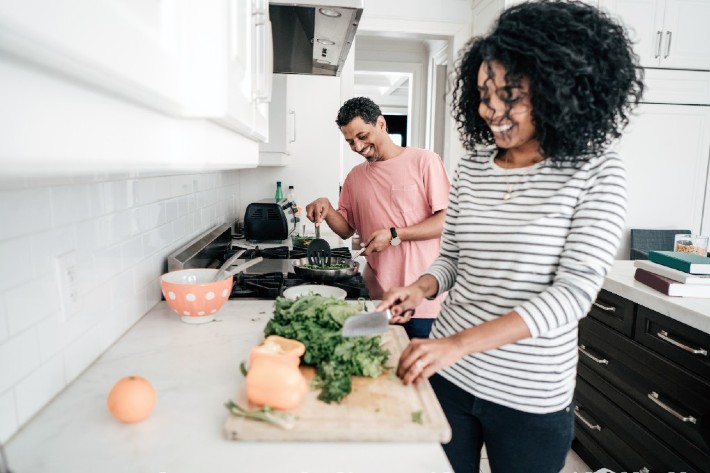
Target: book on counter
pixel 670 287
pixel 674 274
pixel 687 262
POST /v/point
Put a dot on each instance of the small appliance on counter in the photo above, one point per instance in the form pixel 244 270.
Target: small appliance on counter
pixel 269 220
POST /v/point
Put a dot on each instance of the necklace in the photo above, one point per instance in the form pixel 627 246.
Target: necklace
pixel 509 185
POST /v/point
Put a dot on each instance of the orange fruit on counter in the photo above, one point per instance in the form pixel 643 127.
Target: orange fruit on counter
pixel 131 399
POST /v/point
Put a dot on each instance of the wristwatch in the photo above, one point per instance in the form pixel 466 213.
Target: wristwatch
pixel 395 241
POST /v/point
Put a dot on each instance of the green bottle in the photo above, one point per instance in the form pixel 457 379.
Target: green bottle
pixel 279 193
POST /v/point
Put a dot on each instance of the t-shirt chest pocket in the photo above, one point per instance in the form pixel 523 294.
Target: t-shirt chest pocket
pixel 404 198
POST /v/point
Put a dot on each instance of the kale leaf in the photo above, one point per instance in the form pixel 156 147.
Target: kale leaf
pixel 317 321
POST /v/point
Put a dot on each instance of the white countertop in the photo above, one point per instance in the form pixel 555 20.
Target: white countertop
pixel 693 311
pixel 194 369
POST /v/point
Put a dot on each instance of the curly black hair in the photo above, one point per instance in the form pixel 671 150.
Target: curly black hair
pixel 584 77
pixel 361 107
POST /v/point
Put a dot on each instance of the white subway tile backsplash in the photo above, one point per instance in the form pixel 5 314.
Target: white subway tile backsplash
pixel 107 262
pixel 151 216
pixel 39 387
pixel 70 204
pixel 8 415
pixel 16 267
pixel 50 336
pixel 80 353
pixel 19 356
pixel 47 245
pixel 122 229
pixel 24 212
pixel 31 302
pixel 132 252
pixel 4 327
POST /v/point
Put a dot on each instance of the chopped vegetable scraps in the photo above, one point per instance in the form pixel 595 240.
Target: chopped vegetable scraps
pixel 317 321
pixel 284 420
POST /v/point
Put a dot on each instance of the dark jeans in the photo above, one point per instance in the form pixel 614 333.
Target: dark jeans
pixel 418 328
pixel 516 441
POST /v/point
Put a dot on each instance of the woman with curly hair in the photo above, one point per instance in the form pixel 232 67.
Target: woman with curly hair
pixel 535 218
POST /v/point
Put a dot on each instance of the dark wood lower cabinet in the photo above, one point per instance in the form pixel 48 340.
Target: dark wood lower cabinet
pixel 642 405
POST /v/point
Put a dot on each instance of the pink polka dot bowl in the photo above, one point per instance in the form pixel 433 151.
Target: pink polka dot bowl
pixel 193 295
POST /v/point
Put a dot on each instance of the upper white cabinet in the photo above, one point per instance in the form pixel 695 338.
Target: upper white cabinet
pixel 180 57
pixel 283 119
pixel 667 178
pixel 485 13
pixel 667 33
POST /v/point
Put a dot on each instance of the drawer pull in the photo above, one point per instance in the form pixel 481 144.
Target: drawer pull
pixel 581 418
pixel 655 398
pixel 601 361
pixel 605 308
pixel 663 335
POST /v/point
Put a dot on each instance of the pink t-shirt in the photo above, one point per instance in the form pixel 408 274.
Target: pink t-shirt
pixel 399 192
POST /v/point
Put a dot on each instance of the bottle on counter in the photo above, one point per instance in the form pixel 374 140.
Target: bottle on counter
pixel 291 196
pixel 279 193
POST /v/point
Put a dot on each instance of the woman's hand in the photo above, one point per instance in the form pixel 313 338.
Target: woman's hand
pixel 399 300
pixel 424 357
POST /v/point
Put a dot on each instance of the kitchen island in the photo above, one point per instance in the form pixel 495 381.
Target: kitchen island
pixel 194 369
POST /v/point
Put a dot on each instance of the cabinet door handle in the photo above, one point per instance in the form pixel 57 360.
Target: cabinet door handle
pixel 292 114
pixel 668 44
pixel 605 308
pixel 663 335
pixel 659 38
pixel 653 395
pixel 586 422
pixel 601 361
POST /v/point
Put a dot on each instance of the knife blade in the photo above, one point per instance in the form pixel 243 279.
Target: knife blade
pixel 367 323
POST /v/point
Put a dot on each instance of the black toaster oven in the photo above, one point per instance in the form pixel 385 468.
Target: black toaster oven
pixel 267 219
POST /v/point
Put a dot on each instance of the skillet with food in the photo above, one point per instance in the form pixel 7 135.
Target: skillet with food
pixel 336 270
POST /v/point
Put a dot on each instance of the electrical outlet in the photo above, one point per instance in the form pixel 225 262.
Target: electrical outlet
pixel 66 268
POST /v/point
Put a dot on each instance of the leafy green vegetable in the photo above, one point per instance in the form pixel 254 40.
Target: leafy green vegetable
pixel 317 321
pixel 417 417
pixel 327 266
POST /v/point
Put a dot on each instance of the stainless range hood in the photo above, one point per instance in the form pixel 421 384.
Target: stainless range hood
pixel 313 38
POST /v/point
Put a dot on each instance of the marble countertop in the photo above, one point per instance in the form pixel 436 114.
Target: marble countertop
pixel 692 311
pixel 194 369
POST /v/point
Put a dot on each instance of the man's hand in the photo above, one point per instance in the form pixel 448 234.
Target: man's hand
pixel 318 210
pixel 378 241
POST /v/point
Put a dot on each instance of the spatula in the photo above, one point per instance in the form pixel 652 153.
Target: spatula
pixel 318 251
pixel 368 323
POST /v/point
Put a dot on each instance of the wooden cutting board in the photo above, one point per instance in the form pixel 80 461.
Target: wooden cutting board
pixel 378 409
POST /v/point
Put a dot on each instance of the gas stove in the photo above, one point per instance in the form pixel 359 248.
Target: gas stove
pixel 265 280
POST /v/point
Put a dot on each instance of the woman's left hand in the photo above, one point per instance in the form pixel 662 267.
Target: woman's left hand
pixel 424 357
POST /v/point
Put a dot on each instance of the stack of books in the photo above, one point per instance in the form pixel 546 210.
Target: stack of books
pixel 675 274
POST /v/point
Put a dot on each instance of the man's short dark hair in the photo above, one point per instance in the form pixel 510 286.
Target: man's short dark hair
pixel 361 107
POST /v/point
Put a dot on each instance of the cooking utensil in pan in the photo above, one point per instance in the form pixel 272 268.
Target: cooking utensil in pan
pixel 369 323
pixel 318 252
pixel 326 275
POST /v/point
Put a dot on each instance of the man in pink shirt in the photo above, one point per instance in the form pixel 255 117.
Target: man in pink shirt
pixel 396 201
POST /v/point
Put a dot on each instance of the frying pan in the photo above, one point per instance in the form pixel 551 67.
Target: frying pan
pixel 326 275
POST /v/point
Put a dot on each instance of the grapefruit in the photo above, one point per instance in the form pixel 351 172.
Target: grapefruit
pixel 131 399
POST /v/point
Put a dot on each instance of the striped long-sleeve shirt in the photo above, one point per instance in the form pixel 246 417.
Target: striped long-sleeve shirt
pixel 543 253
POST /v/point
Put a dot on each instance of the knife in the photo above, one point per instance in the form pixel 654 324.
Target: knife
pixel 368 323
